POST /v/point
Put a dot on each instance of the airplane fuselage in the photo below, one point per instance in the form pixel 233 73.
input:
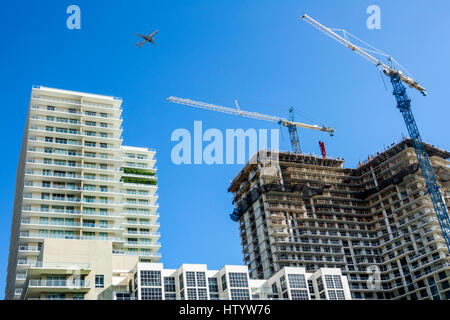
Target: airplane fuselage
pixel 147 38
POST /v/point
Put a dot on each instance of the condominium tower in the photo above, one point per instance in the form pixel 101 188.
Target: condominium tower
pixel 375 222
pixel 85 205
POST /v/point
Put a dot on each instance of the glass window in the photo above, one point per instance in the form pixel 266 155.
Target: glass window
pixel 191 293
pixel 99 281
pixel 332 295
pixel 238 280
pixel 181 281
pixel 212 283
pixel 213 296
pixel 297 281
pixel 329 281
pixel 239 294
pixel 190 279
pixel 201 279
pixel 274 288
pixel 337 281
pixel 170 296
pixel 169 284
pixel 150 278
pixel 224 282
pixel 202 294
pixel 151 293
pixel 283 283
pixel 299 295
pixel 340 294
pixel 319 284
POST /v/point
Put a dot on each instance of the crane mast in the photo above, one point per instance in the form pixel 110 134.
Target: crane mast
pixel 290 124
pixel 404 105
pixel 293 133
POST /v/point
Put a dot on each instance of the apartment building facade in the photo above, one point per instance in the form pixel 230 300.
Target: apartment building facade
pixel 376 222
pixel 150 281
pixel 85 204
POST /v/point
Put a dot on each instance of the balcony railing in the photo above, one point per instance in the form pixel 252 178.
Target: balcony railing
pixel 75 212
pixel 60 283
pixel 72 166
pixel 81 201
pixel 68 176
pixel 70 224
pixel 67 101
pixel 62 236
pixel 147 254
pixel 29 248
pixel 55 265
pixel 136 233
pixel 148 244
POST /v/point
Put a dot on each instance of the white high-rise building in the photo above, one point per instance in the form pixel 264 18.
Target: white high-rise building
pixel 85 205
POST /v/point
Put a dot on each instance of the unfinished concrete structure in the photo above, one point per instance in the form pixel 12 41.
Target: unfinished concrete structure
pixel 307 211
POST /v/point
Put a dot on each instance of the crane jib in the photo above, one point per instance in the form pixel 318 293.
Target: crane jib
pixel 404 105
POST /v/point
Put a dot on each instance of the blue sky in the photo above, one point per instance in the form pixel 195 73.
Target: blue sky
pixel 258 51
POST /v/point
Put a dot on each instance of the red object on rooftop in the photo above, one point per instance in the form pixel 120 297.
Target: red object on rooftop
pixel 322 149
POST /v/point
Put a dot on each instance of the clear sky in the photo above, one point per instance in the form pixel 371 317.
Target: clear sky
pixel 257 51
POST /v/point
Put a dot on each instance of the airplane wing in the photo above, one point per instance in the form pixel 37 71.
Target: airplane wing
pixel 139 44
pixel 152 41
pixel 140 35
pixel 153 33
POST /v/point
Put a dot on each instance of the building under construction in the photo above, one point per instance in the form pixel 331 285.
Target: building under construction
pixel 375 222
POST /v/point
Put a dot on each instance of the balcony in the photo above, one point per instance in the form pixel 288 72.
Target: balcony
pixel 58 286
pixel 102 226
pixel 39 163
pixel 39 236
pixel 142 234
pixel 67 213
pixel 21 277
pixel 136 244
pixel 140 213
pixel 143 254
pixel 143 224
pixel 39 267
pixel 29 249
pixel 70 200
pixel 71 156
pixel 75 102
pixel 33 222
pixel 57 176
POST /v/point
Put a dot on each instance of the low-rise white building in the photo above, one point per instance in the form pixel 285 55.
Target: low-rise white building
pixel 150 281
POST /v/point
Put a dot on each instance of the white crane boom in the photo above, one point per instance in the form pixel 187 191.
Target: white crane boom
pixel 248 114
pixel 386 69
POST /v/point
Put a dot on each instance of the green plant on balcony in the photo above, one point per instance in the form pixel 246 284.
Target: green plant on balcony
pixel 138 171
pixel 138 180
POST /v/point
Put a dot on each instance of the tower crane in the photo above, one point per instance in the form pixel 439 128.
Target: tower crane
pixel 290 124
pixel 397 78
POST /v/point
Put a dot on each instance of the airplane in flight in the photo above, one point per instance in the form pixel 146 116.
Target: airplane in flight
pixel 146 38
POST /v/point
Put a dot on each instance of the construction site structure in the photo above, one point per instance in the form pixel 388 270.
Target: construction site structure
pixel 373 222
pixel 290 124
pixel 398 78
pixel 322 149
